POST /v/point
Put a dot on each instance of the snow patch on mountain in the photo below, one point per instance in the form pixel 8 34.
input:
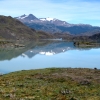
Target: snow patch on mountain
pixel 22 17
pixel 48 19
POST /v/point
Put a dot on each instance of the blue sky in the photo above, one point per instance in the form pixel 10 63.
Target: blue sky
pixel 72 11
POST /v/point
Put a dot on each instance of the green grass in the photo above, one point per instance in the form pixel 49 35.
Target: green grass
pixel 51 84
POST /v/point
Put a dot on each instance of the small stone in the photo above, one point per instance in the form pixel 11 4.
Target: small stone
pixel 66 91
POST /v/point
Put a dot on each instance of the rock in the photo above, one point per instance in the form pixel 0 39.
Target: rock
pixel 19 45
pixel 85 82
pixel 66 91
pixel 73 98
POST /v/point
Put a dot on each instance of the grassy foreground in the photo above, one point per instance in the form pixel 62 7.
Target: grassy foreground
pixel 51 84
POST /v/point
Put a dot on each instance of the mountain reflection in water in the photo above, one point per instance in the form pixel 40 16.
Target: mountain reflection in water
pixel 49 49
pixel 45 54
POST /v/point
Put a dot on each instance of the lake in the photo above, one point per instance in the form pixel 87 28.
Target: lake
pixel 47 54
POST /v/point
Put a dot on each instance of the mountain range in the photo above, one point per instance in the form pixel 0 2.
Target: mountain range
pixel 53 25
pixel 21 28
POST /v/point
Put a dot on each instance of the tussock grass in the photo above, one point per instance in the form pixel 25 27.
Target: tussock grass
pixel 51 84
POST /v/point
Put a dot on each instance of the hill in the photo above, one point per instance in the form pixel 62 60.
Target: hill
pixel 95 37
pixel 11 28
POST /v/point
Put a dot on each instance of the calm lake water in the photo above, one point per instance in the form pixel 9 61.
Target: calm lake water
pixel 48 54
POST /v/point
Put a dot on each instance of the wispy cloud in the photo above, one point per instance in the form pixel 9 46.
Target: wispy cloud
pixel 74 11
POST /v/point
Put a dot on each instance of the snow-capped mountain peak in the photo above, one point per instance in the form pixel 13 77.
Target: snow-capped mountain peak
pixel 22 17
pixel 30 16
pixel 27 18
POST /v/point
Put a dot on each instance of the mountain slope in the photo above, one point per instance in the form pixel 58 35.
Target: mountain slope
pixel 11 28
pixel 53 25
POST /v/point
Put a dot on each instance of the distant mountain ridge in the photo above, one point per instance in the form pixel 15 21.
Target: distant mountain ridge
pixel 53 25
pixel 13 29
